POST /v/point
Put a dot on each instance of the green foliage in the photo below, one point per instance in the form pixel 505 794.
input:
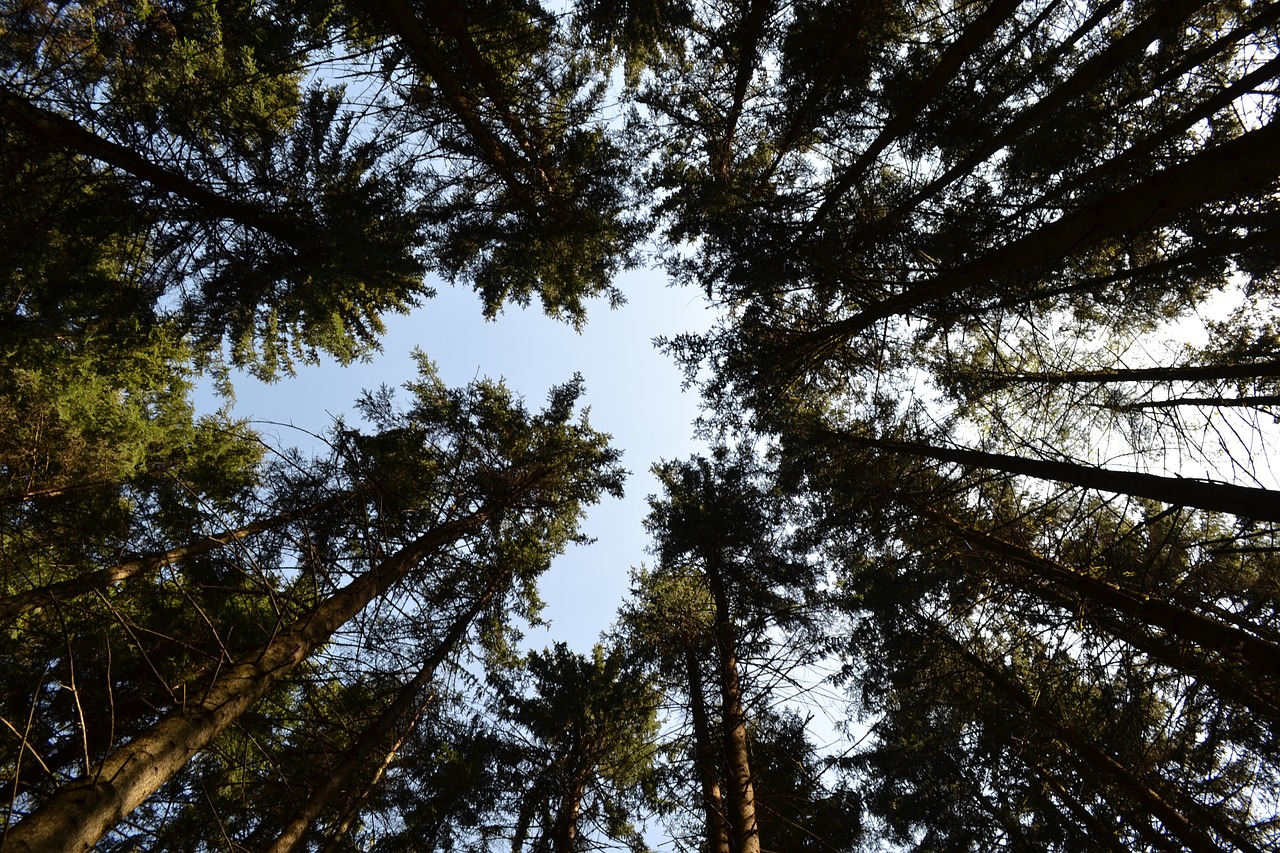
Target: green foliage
pixel 1035 230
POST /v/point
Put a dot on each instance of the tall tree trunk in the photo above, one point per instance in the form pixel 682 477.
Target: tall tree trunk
pixel 1167 16
pixel 13 606
pixel 342 778
pixel 427 56
pixel 744 828
pixel 1255 653
pixel 1097 759
pixel 1261 504
pixel 75 818
pixel 1094 828
pixel 953 57
pixel 746 45
pixel 1265 369
pixel 65 134
pixel 1243 164
pixel 704 757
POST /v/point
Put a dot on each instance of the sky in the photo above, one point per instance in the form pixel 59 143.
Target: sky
pixel 632 389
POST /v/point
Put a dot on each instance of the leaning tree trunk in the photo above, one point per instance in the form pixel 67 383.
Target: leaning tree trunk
pixel 65 134
pixel 1260 504
pixel 13 606
pixel 1259 658
pixel 1243 164
pixel 1097 760
pixel 75 818
pixel 341 778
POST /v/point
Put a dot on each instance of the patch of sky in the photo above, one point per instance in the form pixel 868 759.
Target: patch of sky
pixel 632 391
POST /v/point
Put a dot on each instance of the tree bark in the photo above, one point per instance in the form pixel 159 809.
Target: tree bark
pixel 1243 164
pixel 973 37
pixel 426 54
pixel 341 778
pixel 1264 369
pixel 744 828
pixel 1246 501
pixel 1166 17
pixel 78 816
pixel 13 606
pixel 1228 641
pixel 704 753
pixel 1091 755
pixel 67 135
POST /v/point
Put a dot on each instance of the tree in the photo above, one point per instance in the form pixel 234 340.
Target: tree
pixel 534 195
pixel 507 484
pixel 990 392
pixel 584 747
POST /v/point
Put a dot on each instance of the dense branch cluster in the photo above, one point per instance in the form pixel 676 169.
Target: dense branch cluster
pixel 981 555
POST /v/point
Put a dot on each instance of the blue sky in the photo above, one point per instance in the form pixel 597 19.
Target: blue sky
pixel 633 391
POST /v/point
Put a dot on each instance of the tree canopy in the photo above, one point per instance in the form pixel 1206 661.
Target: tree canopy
pixel 980 551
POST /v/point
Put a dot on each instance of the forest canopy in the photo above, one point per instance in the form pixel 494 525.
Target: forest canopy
pixel 989 415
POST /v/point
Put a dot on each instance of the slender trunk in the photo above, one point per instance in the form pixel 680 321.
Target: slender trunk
pixel 67 135
pixel 1230 686
pixel 1261 504
pixel 704 757
pixel 745 831
pixel 1243 164
pixel 564 828
pixel 1232 643
pixel 749 34
pixel 1133 158
pixel 13 606
pixel 1223 402
pixel 1265 369
pixel 78 816
pixel 1091 755
pixel 341 779
pixel 973 37
pixel 1095 830
pixel 353 807
pixel 453 19
pixel 1168 16
pixel 1204 249
pixel 426 55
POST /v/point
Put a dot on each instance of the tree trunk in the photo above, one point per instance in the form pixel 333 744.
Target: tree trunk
pixel 13 606
pixel 78 816
pixel 1228 641
pixel 1168 15
pixel 1222 402
pixel 67 135
pixel 746 45
pixel 426 55
pixel 1261 504
pixel 704 753
pixel 745 831
pixel 974 37
pixel 341 778
pixel 1243 164
pixel 1265 369
pixel 1094 828
pixel 1091 755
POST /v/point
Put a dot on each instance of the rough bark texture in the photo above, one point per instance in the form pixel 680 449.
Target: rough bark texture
pixel 744 828
pixel 342 778
pixel 1261 504
pixel 78 816
pixel 704 757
